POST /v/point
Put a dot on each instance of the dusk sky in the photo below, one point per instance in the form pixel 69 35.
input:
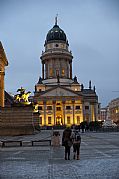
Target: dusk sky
pixel 92 29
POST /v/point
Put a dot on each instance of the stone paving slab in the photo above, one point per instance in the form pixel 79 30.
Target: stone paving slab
pixel 99 159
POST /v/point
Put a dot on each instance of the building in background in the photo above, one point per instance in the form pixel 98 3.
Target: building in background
pixel 62 100
pixel 103 114
pixel 114 110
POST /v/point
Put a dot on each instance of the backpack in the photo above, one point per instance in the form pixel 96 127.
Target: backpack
pixel 77 136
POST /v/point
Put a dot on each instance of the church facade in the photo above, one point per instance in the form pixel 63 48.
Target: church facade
pixel 61 99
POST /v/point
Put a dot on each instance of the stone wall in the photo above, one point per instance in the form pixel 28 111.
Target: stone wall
pixel 16 120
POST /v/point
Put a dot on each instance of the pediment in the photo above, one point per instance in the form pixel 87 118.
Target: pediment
pixel 59 91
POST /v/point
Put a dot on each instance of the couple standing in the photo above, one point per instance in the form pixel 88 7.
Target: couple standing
pixel 71 137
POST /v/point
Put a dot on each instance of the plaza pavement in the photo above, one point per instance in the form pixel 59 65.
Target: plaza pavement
pixel 99 158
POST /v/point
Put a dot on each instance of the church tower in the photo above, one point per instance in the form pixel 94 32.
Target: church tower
pixel 56 60
pixel 62 100
pixel 3 63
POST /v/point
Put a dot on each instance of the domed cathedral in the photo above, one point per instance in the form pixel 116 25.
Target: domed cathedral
pixel 61 99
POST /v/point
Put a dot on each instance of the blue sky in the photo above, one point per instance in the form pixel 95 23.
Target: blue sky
pixel 92 29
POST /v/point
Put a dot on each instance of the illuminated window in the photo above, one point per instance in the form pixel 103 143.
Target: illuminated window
pixel 50 45
pixel 40 120
pixel 78 119
pixel 117 111
pixel 62 45
pixel 68 119
pixel 51 72
pixel 49 120
pixel 49 107
pixel 63 72
pixel 87 117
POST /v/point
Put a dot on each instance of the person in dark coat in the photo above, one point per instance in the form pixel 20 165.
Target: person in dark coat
pixel 67 142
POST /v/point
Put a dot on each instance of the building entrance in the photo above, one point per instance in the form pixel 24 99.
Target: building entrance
pixel 59 120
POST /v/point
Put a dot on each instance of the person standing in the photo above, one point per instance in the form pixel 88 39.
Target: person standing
pixel 67 142
pixel 56 138
pixel 76 138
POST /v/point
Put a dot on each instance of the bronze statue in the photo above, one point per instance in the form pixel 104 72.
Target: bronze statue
pixel 22 97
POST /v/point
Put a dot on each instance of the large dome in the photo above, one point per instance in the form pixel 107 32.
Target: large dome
pixel 56 33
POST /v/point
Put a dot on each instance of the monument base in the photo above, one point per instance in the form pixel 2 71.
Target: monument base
pixel 15 131
pixel 16 120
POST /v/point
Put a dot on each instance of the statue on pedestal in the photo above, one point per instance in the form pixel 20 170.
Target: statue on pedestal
pixel 22 97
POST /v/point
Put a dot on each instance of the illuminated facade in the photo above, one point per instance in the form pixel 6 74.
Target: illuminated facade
pixel 114 110
pixel 3 63
pixel 61 98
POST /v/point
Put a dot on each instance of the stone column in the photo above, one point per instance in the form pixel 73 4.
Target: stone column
pixel 46 70
pixel 70 69
pixel 44 103
pixel 83 110
pixel 92 112
pixel 73 111
pixel 2 88
pixel 63 102
pixel 43 70
pixel 95 111
pixel 54 111
pixel 67 69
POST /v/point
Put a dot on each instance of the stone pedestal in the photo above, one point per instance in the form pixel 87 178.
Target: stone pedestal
pixel 16 120
pixel 36 120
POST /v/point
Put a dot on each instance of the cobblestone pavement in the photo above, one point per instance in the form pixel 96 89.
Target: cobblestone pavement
pixel 99 159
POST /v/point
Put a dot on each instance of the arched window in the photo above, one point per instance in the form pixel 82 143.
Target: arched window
pixel 63 72
pixel 51 71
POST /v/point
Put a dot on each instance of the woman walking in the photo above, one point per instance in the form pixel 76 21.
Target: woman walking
pixel 76 138
pixel 67 142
